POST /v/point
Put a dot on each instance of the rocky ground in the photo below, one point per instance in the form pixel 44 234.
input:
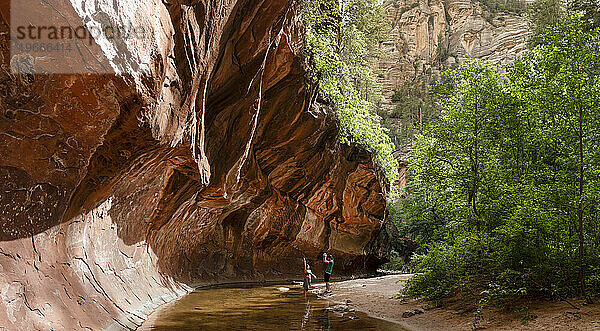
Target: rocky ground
pixel 378 297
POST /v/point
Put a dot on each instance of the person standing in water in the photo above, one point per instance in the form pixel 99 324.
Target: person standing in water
pixel 307 277
pixel 328 259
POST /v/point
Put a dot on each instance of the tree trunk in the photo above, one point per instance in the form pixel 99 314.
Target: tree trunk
pixel 476 168
pixel 580 202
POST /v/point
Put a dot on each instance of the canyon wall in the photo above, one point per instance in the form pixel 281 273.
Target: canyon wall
pixel 430 36
pixel 201 160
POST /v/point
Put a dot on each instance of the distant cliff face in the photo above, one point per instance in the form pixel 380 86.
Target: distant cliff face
pixel 119 192
pixel 430 36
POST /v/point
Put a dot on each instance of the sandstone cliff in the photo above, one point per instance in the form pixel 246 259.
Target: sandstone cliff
pixel 430 36
pixel 203 161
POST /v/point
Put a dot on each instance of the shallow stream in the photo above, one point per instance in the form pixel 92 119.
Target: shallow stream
pixel 260 308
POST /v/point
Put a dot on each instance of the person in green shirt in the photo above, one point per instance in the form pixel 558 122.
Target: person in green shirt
pixel 328 259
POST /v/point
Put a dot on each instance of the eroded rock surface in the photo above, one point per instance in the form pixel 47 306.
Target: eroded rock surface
pixel 430 36
pixel 203 161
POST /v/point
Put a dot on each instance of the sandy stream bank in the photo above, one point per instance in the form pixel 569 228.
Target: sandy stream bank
pixel 376 296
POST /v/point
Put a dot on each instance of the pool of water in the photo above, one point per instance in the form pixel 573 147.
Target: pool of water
pixel 260 308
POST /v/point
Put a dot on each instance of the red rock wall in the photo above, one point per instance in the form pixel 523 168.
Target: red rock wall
pixel 210 166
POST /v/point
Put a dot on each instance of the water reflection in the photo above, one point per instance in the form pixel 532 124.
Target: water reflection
pixel 306 314
pixel 261 308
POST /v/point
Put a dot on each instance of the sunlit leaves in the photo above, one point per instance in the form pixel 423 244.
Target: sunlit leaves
pixel 341 44
pixel 535 130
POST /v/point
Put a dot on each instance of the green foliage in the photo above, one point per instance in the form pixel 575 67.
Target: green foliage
pixel 526 315
pixel 503 187
pixel 510 6
pixel 438 273
pixel 414 106
pixel 396 262
pixel 544 14
pixel 589 11
pixel 341 44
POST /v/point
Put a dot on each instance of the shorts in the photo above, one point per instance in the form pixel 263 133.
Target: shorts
pixel 306 284
pixel 327 276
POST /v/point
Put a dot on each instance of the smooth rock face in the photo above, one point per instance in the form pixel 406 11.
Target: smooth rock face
pixel 80 275
pixel 430 36
pixel 207 164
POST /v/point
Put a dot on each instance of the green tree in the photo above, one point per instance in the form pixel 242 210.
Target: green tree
pixel 457 144
pixel 560 80
pixel 342 44
pixel 542 14
pixel 589 11
pixel 414 106
pixel 511 6
pixel 503 188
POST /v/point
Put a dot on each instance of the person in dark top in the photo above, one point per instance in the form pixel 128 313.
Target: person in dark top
pixel 328 259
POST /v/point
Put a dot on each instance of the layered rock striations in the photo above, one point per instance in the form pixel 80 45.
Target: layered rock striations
pixel 430 36
pixel 202 160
